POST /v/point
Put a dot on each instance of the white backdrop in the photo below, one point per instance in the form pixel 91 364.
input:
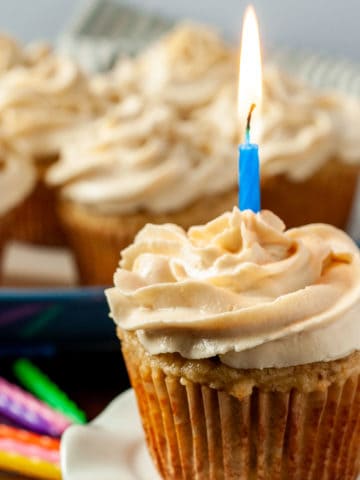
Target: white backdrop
pixel 328 26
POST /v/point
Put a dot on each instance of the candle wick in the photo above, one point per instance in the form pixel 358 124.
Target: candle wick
pixel 248 123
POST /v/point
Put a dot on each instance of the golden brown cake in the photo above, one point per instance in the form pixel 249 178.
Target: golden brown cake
pixel 242 344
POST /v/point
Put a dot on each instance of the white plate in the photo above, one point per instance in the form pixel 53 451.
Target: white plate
pixel 112 447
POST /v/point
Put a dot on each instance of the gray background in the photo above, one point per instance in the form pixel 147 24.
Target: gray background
pixel 326 26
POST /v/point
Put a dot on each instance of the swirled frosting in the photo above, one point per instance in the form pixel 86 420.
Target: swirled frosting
pixel 142 155
pixel 41 103
pixel 241 288
pixel 17 178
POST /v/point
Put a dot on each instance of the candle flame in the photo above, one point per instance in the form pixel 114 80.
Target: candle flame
pixel 250 73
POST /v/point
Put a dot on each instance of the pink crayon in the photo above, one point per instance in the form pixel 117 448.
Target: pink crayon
pixel 26 410
pixel 29 451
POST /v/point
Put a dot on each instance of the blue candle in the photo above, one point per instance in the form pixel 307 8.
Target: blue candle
pixel 249 172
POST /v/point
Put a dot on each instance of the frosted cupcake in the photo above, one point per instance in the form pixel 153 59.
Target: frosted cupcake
pixel 241 340
pixel 185 69
pixel 140 163
pixel 40 105
pixel 309 148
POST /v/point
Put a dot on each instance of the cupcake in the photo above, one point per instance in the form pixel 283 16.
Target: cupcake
pixel 140 163
pixel 17 180
pixel 41 103
pixel 241 341
pixel 309 148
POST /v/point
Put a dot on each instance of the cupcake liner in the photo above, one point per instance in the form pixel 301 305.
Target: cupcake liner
pixel 326 197
pixel 194 431
pixel 97 239
pixel 36 221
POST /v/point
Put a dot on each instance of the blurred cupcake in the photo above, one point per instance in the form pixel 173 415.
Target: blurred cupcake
pixel 241 341
pixel 309 148
pixel 17 180
pixel 140 163
pixel 40 105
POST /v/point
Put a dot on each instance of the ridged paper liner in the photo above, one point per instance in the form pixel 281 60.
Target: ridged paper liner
pixel 196 432
pixel 326 197
pixel 36 221
pixel 97 239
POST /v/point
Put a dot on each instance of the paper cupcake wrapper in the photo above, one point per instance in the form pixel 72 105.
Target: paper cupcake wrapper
pixel 325 197
pixel 197 432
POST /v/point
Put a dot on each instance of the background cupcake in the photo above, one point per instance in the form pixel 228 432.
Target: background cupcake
pixel 140 163
pixel 40 106
pixel 17 180
pixel 241 341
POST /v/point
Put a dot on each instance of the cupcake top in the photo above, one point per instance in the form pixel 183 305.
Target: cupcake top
pixel 11 53
pixel 17 177
pixel 41 103
pixel 142 155
pixel 241 288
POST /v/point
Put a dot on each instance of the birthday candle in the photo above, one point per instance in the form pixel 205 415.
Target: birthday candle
pixel 31 467
pixel 30 407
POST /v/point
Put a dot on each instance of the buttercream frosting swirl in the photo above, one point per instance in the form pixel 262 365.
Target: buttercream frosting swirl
pixel 41 103
pixel 241 288
pixel 142 155
pixel 298 129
